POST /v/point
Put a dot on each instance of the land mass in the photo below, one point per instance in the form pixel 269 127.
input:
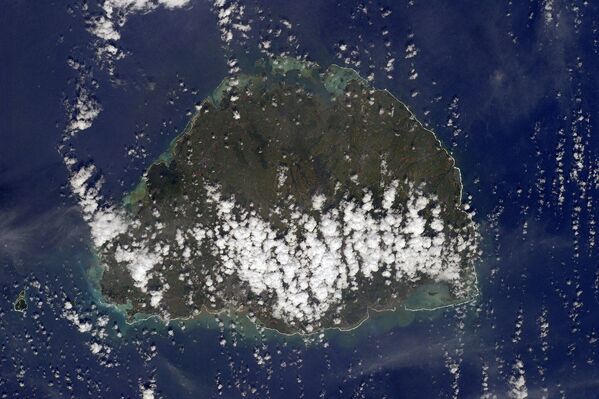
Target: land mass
pixel 300 196
pixel 20 304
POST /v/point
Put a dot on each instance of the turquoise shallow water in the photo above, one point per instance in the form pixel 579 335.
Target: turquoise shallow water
pixel 429 297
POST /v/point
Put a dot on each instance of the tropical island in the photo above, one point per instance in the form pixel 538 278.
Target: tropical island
pixel 20 304
pixel 301 197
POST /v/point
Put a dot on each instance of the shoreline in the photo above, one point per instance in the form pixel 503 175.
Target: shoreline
pixel 165 158
pixel 257 323
pixel 205 312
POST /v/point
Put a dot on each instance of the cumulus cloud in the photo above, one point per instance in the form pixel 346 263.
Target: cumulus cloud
pixel 139 262
pixel 325 251
pixel 307 270
pixel 147 392
pixel 69 313
pixel 114 15
pixel 230 19
pixel 517 381
pixel 105 222
pixel 83 110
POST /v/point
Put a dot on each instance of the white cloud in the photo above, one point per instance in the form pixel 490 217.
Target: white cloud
pixel 307 270
pixel 230 19
pixel 95 348
pixel 106 224
pixel 71 315
pixel 548 11
pixel 104 28
pixel 518 381
pixel 147 393
pixel 140 261
pixel 84 110
pixel 155 298
pixel 115 12
pixel 318 201
pixel 322 254
pixel 105 221
pixel 174 3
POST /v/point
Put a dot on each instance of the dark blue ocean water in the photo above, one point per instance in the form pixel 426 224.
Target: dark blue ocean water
pixel 519 85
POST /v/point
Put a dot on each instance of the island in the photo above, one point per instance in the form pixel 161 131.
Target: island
pixel 301 197
pixel 20 304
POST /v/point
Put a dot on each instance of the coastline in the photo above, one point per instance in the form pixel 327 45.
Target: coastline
pixel 138 194
pixel 95 275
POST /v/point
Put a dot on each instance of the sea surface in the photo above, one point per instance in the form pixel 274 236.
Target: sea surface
pixel 510 88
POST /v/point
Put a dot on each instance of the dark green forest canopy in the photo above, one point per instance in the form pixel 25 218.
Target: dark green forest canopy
pixel 299 196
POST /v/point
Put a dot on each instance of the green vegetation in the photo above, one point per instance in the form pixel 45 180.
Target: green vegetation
pixel 329 133
pixel 20 304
